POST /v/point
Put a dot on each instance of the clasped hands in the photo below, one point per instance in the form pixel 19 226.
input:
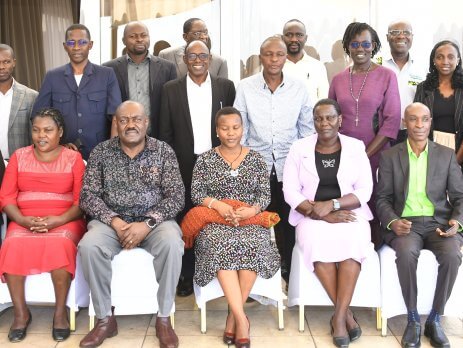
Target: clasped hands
pixel 41 224
pixel 130 234
pixel 402 227
pixel 323 210
pixel 234 216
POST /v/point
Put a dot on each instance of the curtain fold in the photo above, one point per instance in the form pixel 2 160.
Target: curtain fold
pixel 21 28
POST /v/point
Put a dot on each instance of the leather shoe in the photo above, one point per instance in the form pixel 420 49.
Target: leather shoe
pixel 184 287
pixel 104 328
pixel 17 335
pixel 165 333
pixel 356 332
pixel 244 342
pixel 339 341
pixel 228 337
pixel 435 333
pixel 60 335
pixel 411 337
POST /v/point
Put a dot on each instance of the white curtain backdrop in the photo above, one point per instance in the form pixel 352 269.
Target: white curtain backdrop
pixel 56 18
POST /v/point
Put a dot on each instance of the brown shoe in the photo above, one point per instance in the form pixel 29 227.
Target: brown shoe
pixel 165 333
pixel 104 328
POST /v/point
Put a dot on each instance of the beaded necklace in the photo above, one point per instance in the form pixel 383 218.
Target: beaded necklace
pixel 360 92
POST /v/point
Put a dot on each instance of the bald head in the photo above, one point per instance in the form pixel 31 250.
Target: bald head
pixel 417 120
pixel 396 23
pixel 270 40
pixel 135 24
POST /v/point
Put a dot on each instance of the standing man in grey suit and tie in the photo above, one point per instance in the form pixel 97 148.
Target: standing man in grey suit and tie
pixel 419 201
pixel 195 29
pixel 140 74
pixel 16 101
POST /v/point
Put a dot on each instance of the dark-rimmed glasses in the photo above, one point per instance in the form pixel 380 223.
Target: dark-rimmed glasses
pixel 397 32
pixel 191 57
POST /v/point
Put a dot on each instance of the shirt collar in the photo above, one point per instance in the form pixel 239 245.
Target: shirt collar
pixel 206 81
pixel 264 84
pixel 147 57
pixel 11 88
pixel 410 151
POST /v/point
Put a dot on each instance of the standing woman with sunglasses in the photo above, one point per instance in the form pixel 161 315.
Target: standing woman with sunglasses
pixel 442 92
pixel 369 98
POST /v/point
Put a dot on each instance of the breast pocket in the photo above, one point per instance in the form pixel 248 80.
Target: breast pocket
pixel 97 101
pixel 62 101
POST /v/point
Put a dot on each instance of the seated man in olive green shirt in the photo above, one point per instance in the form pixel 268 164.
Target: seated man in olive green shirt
pixel 420 204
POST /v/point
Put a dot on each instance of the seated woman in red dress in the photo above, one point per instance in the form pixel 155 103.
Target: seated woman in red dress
pixel 40 195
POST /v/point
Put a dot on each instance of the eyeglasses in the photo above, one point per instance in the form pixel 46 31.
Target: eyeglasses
pixel 198 34
pixel 123 121
pixel 364 44
pixel 406 33
pixel 291 35
pixel 329 118
pixel 80 43
pixel 191 57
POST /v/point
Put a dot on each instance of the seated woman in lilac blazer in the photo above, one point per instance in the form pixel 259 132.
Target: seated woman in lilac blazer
pixel 327 182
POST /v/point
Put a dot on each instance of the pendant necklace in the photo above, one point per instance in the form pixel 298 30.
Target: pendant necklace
pixel 360 92
pixel 233 172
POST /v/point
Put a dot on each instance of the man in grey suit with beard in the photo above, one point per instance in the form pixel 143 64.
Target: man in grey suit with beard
pixel 195 29
pixel 16 102
pixel 420 205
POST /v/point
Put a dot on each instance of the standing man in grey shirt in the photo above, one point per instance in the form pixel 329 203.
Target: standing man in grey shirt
pixel 276 111
pixel 140 74
pixel 195 29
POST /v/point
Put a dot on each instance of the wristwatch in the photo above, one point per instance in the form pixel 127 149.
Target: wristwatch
pixel 151 223
pixel 336 205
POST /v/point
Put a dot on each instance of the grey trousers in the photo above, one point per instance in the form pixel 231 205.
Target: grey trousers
pixel 407 248
pixel 99 246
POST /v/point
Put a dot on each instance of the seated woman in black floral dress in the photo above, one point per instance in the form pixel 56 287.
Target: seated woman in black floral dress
pixel 236 255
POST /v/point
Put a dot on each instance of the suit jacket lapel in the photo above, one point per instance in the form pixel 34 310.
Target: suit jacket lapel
pixel 431 165
pixel 458 107
pixel 154 71
pixel 17 100
pixel 183 96
pixel 404 163
pixel 69 78
pixel 122 71
pixel 88 72
pixel 215 107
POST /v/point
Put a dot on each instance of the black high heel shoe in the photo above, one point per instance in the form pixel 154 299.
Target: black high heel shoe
pixel 60 335
pixel 356 332
pixel 340 341
pixel 17 335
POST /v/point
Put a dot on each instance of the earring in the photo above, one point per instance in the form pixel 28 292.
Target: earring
pixel 217 135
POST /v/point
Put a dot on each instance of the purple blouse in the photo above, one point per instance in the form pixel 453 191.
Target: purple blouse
pixel 380 95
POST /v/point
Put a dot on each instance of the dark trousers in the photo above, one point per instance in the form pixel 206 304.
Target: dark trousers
pixel 284 232
pixel 447 250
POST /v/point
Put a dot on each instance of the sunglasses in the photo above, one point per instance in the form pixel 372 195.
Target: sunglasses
pixel 192 57
pixel 80 43
pixel 405 33
pixel 364 44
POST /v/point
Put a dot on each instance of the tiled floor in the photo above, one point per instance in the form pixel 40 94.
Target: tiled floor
pixel 138 331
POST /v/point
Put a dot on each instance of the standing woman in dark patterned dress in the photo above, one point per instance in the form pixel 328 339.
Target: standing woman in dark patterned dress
pixel 235 255
pixel 442 93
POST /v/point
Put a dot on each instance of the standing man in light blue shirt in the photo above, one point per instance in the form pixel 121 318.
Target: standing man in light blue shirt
pixel 276 111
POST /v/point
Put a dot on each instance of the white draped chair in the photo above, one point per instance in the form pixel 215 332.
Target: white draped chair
pixel 306 290
pixel 392 302
pixel 265 291
pixel 133 285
